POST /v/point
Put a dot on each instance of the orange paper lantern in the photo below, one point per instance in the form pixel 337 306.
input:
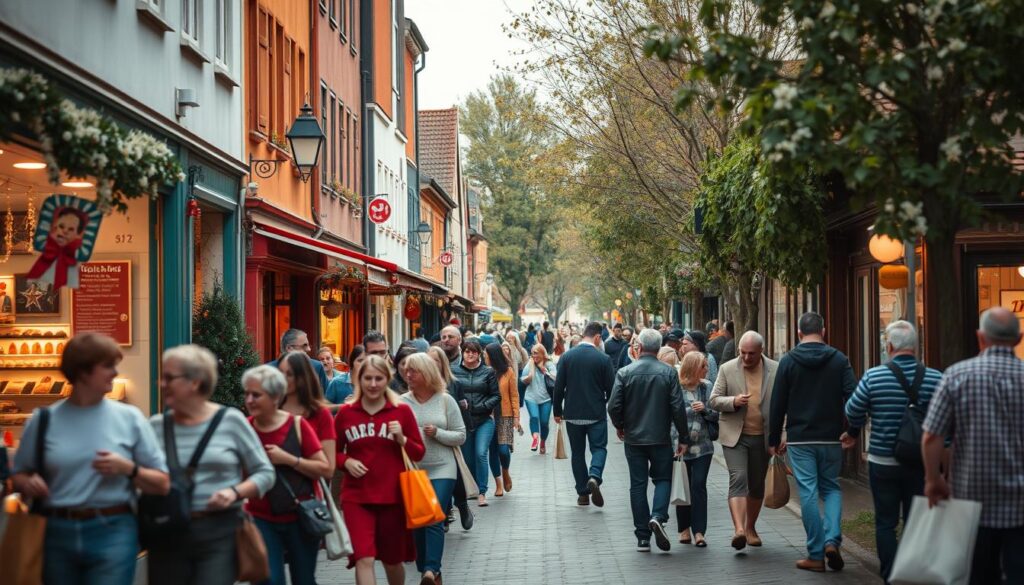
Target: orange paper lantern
pixel 893 276
pixel 885 249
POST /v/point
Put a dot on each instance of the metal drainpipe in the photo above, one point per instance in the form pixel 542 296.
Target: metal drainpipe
pixel 416 130
pixel 314 58
pixel 366 57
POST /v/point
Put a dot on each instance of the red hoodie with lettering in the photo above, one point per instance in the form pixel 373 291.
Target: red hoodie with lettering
pixel 365 437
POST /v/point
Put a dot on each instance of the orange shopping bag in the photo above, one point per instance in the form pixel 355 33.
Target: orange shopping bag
pixel 421 505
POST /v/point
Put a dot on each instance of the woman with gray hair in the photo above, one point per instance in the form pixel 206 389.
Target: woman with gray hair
pixel 294 449
pixel 232 467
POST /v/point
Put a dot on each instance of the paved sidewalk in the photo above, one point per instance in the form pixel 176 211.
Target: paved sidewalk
pixel 538 535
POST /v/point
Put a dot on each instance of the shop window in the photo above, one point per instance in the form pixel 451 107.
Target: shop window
pixel 223 33
pixel 342 332
pixel 208 246
pixel 191 19
pixel 277 294
pixel 1002 286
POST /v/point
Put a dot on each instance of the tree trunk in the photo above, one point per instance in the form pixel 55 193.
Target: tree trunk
pixel 943 285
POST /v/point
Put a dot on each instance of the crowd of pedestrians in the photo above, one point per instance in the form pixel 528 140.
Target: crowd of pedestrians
pixel 453 406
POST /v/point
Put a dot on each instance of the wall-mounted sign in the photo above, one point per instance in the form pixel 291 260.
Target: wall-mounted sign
pixel 446 258
pixel 380 210
pixel 103 300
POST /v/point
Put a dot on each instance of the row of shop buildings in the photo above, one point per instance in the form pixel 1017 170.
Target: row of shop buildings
pixel 384 233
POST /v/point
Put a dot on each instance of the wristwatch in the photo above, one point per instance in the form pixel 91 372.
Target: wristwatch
pixel 135 471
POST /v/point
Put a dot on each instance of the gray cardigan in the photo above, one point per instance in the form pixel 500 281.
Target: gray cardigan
pixel 443 412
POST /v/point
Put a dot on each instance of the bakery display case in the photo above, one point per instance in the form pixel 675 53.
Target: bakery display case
pixel 29 371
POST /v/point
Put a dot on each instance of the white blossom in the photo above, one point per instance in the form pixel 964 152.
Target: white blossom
pixel 801 133
pixel 784 94
pixel 890 207
pixel 828 10
pixel 998 117
pixel 807 23
pixel 934 73
pixel 951 148
pixel 775 157
pixel 956 45
pixel 920 226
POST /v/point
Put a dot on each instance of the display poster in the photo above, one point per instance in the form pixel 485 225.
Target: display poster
pixel 103 300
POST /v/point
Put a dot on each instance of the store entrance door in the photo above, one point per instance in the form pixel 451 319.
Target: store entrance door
pixel 995 280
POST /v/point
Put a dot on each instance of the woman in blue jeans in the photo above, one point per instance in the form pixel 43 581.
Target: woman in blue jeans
pixel 693 519
pixel 538 375
pixel 480 387
pixel 298 458
pixel 440 421
pixel 82 459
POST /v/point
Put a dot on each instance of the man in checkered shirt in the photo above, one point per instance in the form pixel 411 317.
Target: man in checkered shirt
pixel 980 402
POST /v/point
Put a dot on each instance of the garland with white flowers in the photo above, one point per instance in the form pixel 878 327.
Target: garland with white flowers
pixel 82 142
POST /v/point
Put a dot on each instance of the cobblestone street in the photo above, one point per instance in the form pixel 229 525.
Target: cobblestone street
pixel 537 534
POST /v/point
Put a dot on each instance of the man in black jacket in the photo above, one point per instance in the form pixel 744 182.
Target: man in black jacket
pixel 646 400
pixel 547 338
pixel 614 344
pixel 812 385
pixel 583 383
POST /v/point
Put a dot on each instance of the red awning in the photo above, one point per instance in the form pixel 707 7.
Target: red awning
pixel 324 247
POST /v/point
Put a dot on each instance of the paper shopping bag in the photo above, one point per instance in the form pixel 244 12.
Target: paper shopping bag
pixel 251 552
pixel 468 482
pixel 21 551
pixel 776 485
pixel 937 545
pixel 560 443
pixel 338 543
pixel 680 494
pixel 421 505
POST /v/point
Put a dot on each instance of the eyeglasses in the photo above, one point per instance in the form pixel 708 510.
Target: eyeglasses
pixel 168 378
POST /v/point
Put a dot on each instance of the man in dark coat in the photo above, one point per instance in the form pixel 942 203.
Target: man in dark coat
pixel 582 387
pixel 547 338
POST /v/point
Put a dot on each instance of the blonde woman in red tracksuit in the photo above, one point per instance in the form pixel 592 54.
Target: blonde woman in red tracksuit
pixel 373 426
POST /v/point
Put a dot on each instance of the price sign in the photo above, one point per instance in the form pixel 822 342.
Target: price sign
pixel 380 210
pixel 446 258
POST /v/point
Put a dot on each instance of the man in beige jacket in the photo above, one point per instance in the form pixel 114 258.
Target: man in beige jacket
pixel 742 395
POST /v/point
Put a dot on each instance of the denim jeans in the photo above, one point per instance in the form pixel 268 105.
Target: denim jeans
pixel 540 415
pixel 430 540
pixel 695 516
pixel 100 551
pixel 475 450
pixel 654 462
pixel 579 435
pixel 500 457
pixel 816 469
pixel 892 487
pixel 302 549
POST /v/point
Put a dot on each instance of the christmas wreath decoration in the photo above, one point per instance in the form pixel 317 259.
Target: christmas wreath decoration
pixel 82 142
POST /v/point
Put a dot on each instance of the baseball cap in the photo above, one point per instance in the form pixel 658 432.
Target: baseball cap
pixel 675 335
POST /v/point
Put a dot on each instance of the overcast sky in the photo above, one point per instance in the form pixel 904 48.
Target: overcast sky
pixel 466 45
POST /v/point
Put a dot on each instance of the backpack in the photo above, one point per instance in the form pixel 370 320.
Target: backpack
pixel 908 440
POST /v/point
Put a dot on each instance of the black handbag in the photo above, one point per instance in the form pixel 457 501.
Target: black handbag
pixel 163 518
pixel 908 439
pixel 314 517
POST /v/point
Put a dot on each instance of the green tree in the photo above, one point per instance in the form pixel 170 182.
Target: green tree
pixel 910 106
pixel 507 136
pixel 759 226
pixel 219 325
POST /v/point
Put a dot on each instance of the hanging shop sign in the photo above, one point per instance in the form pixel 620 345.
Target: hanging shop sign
pixel 380 210
pixel 413 310
pixel 65 235
pixel 103 300
pixel 446 258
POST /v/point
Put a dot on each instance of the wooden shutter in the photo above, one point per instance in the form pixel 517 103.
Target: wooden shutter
pixel 263 87
pixel 287 90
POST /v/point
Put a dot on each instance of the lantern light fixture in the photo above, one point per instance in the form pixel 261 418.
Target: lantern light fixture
pixel 885 249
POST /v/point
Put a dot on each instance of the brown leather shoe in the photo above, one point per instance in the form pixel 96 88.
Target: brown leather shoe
pixel 583 500
pixel 834 558
pixel 811 565
pixel 506 478
pixel 753 540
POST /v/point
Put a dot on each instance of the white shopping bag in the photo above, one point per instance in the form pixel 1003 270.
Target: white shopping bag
pixel 680 495
pixel 338 543
pixel 937 544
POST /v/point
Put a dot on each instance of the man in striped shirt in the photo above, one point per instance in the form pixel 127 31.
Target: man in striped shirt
pixel 881 396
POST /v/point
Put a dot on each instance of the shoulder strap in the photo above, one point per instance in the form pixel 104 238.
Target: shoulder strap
pixel 298 430
pixel 205 440
pixel 170 445
pixel 910 389
pixel 44 423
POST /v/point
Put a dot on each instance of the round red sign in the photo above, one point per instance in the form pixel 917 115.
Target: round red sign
pixel 446 258
pixel 380 210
